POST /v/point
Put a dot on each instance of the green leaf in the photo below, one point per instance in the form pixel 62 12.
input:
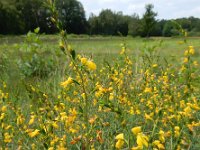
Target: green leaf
pixel 37 30
pixel 73 54
pixel 76 82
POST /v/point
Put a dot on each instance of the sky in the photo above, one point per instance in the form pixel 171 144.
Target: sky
pixel 166 9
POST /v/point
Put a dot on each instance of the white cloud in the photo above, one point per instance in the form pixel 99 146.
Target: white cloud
pixel 166 9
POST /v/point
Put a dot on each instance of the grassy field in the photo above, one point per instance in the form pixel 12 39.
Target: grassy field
pixel 117 93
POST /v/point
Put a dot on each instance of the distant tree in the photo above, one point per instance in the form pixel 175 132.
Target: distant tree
pixel 185 23
pixel 121 26
pixel 170 29
pixel 72 15
pixel 31 13
pixel 158 29
pixel 94 25
pixel 148 20
pixel 107 22
pixel 10 20
pixel 134 25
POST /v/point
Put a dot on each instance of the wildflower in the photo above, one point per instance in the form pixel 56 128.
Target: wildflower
pixel 158 144
pixel 34 133
pixel 31 121
pixel 120 136
pixel 111 96
pixel 67 82
pixel 120 141
pixel 155 65
pixel 93 119
pixel 142 140
pixel 7 137
pixel 123 50
pixel 195 63
pixel 185 60
pixel 84 60
pixel 91 65
pixel 61 45
pixel 2 116
pixel 147 90
pixel 55 125
pixel 147 117
pixel 162 136
pixel 191 50
pixel 177 131
pixel 69 48
pixel 136 130
pixel 3 108
pixel 20 119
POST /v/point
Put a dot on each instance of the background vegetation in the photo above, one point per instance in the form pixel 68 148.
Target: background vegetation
pixel 20 16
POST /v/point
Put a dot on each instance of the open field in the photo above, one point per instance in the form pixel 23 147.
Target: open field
pixel 116 93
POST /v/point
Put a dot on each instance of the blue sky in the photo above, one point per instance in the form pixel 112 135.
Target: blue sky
pixel 166 9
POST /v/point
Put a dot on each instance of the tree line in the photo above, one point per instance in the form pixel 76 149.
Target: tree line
pixel 21 16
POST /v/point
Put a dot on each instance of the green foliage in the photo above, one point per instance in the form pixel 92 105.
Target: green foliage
pixel 109 23
pixel 72 16
pixel 134 25
pixel 148 20
pixel 170 29
pixel 37 63
pixel 3 62
pixel 21 16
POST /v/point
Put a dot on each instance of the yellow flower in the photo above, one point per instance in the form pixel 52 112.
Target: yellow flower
pixel 111 96
pixel 120 140
pixel 84 60
pixel 136 130
pixel 185 60
pixel 177 131
pixel 191 50
pixel 155 65
pixel 61 45
pixel 195 63
pixel 34 133
pixel 142 140
pixel 119 144
pixel 67 82
pixel 3 108
pixel 69 48
pixel 123 50
pixel 31 121
pixel 20 119
pixel 7 137
pixel 55 125
pixel 147 117
pixel 120 136
pixel 162 136
pixel 147 90
pixel 91 65
pixel 158 144
pixel 2 116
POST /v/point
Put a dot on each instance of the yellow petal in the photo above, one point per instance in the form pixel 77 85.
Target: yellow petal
pixel 120 136
pixel 136 130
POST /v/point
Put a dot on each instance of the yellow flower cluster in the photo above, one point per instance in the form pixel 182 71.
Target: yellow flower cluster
pixel 88 63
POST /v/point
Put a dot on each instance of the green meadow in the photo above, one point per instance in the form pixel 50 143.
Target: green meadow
pixel 95 92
